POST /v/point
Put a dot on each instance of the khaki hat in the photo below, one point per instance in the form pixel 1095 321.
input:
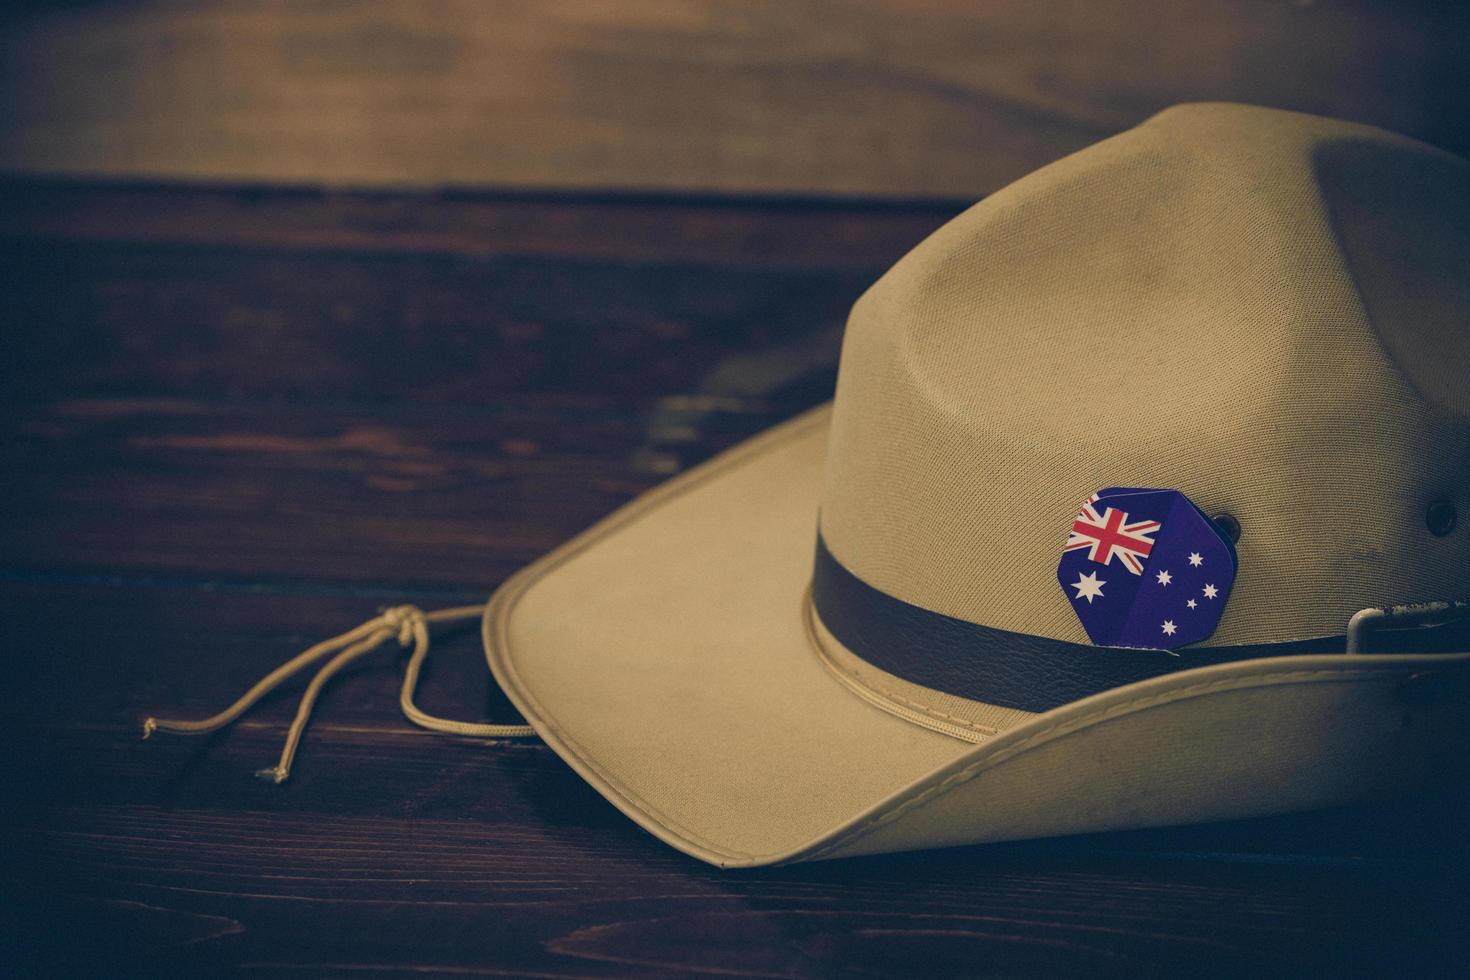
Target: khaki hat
pixel 846 636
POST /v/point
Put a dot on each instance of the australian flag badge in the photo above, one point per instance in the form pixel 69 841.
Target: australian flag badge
pixel 1145 568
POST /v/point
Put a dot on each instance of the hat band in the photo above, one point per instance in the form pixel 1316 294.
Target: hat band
pixel 995 666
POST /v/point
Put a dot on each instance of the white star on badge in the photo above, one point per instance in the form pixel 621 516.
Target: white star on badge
pixel 1169 627
pixel 1191 604
pixel 1088 586
pixel 1211 591
pixel 1165 578
pixel 1195 559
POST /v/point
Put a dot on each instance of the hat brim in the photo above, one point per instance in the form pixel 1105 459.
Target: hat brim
pixel 663 654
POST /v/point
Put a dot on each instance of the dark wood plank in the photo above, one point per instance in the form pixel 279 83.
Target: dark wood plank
pixel 399 854
pixel 213 321
pixel 485 408
pixel 159 391
pixel 412 496
pixel 157 891
pixel 784 234
pixel 885 97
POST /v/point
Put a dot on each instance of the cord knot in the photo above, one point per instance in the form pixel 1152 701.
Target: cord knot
pixel 412 626
pixel 404 619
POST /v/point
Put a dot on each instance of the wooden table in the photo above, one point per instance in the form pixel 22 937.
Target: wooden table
pixel 239 421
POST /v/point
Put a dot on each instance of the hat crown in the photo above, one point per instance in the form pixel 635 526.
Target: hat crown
pixel 1265 310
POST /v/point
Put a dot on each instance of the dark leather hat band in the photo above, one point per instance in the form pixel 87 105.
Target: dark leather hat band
pixel 996 666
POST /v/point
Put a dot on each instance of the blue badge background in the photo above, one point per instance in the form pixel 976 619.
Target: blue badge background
pixel 1132 609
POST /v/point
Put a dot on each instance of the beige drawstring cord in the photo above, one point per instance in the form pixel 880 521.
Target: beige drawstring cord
pixel 409 624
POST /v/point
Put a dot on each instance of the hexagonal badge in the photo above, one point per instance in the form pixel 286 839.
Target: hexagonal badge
pixel 1146 569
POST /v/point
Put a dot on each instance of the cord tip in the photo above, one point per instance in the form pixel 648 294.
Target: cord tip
pixel 150 725
pixel 275 774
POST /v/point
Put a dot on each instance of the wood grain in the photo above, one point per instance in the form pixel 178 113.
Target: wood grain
pixel 195 493
pixel 405 328
pixel 767 234
pixel 178 891
pixel 886 98
pixel 420 499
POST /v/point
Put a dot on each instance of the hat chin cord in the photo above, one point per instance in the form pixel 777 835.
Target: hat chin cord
pixel 409 624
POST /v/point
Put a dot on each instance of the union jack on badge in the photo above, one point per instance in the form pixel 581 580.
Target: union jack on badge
pixel 1146 569
pixel 1108 535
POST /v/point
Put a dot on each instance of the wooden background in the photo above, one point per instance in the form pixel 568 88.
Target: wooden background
pixel 307 309
pixel 237 422
pixel 878 98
